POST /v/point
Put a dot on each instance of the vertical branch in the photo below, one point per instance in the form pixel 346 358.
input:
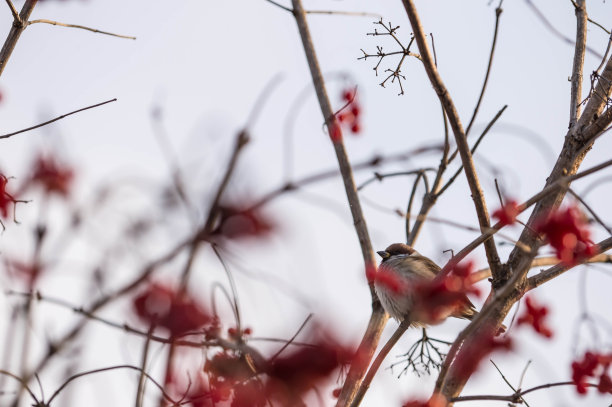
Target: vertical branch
pixel 365 385
pixel 429 199
pixel 459 133
pixel 19 24
pixel 578 66
pixel 378 317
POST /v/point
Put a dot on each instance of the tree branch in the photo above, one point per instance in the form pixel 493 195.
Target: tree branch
pixel 82 27
pixel 455 122
pixel 560 268
pixel 19 24
pixel 578 67
pixel 378 317
pixel 56 119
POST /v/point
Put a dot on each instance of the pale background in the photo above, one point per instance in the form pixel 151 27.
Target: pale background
pixel 204 64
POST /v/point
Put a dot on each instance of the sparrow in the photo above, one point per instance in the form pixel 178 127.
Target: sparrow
pixel 409 268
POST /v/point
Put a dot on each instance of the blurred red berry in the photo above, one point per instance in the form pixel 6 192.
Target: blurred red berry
pixel 161 306
pixel 249 394
pixel 6 199
pixel 436 400
pixel 592 365
pixel 566 231
pixel 335 133
pixel 476 350
pixel 349 118
pixel 236 223
pixel 29 272
pixel 51 176
pixel 297 371
pixel 348 95
pixel 507 214
pixel 534 315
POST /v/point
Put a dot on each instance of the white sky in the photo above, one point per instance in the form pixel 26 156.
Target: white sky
pixel 205 63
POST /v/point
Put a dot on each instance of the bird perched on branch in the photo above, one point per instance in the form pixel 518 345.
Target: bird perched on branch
pixel 406 288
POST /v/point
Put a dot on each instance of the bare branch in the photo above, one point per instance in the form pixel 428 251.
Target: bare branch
pixel 365 385
pixel 14 11
pixel 460 137
pixel 556 32
pixel 498 12
pixel 82 27
pixel 578 66
pixel 56 119
pixel 378 317
pixel 544 261
pixel 15 33
pixel 518 396
pixel 560 268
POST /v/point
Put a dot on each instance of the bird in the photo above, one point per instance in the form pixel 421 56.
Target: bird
pixel 407 266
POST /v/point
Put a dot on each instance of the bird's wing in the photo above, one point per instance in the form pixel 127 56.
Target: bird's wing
pixel 431 265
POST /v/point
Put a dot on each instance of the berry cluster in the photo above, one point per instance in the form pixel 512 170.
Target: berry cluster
pixel 592 365
pixel 349 116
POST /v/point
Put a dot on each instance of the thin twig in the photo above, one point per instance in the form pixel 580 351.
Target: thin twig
pixel 498 12
pixel 106 369
pixel 556 32
pixel 344 13
pixel 292 339
pixel 591 211
pixel 473 149
pixel 232 282
pixel 280 6
pixel 415 184
pixel 56 119
pixel 592 21
pixel 143 368
pixel 81 27
pixel 23 383
pixel 379 177
pixel 373 162
pixel 14 11
pixel 516 397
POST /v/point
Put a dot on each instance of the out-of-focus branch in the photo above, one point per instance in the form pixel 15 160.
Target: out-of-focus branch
pixel 81 27
pixel 59 344
pixel 578 67
pixel 455 122
pixel 378 317
pixel 19 24
pixel 373 162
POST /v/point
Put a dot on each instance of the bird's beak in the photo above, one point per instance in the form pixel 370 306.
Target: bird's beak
pixel 384 254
